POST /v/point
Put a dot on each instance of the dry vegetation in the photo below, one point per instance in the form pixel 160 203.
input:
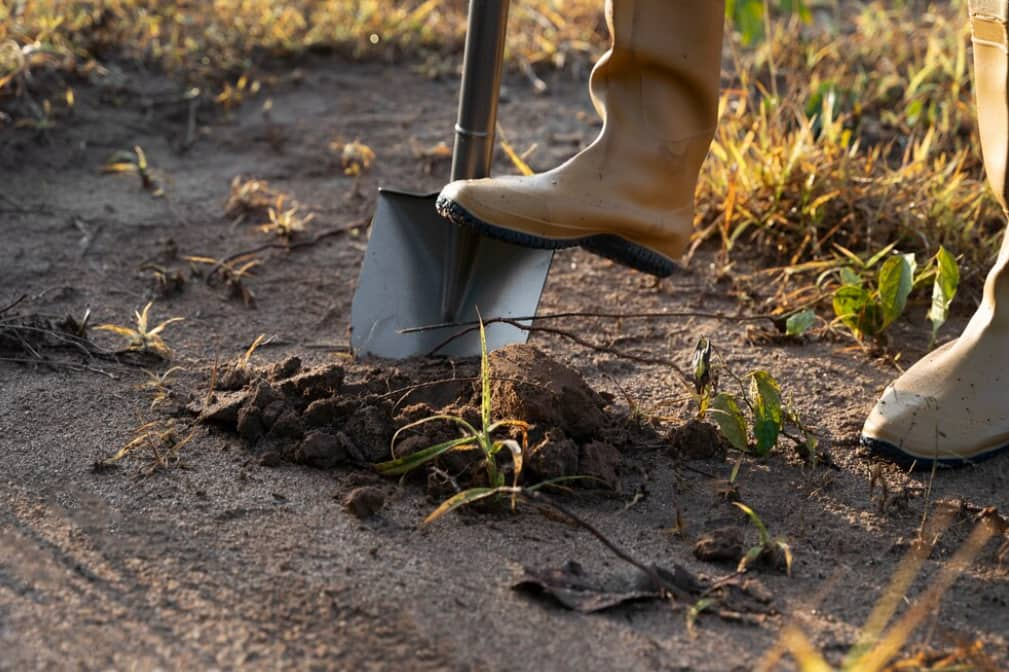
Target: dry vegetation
pixel 839 135
pixel 859 133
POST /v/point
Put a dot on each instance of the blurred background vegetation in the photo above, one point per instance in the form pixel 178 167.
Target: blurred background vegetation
pixel 846 125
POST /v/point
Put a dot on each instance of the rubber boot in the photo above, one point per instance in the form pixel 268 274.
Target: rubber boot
pixel 629 195
pixel 952 407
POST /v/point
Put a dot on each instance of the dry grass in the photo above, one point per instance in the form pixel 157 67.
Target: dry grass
pixel 864 137
pixel 855 130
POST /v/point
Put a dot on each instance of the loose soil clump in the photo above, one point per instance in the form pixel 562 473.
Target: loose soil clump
pixel 332 415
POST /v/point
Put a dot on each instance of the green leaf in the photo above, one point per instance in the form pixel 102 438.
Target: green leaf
pixel 695 611
pixel 850 278
pixel 896 278
pixel 485 397
pixel 800 323
pixel 750 557
pixel 407 464
pixel 879 256
pixel 702 365
pixel 466 497
pixel 767 415
pixel 947 280
pixel 856 309
pixel 765 536
pixel 798 7
pixel 731 423
pixel 748 18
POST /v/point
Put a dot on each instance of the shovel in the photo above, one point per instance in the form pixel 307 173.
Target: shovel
pixel 421 270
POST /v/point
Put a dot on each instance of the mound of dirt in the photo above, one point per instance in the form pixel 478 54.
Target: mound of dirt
pixel 318 417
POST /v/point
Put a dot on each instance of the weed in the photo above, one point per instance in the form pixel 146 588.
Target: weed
pixel 481 439
pixel 869 311
pixel 159 385
pixel 166 282
pixel 159 442
pixel 233 272
pixel 773 549
pixel 285 222
pixel 769 417
pixel 356 158
pixel 250 196
pixel 135 161
pixel 141 338
pixel 233 96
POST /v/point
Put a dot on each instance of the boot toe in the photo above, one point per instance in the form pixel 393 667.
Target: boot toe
pixel 903 426
pixel 503 208
pixel 936 413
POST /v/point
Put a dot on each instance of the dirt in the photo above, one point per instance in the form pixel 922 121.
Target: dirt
pixel 235 549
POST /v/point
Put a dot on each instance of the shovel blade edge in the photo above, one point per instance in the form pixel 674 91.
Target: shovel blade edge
pixel 400 284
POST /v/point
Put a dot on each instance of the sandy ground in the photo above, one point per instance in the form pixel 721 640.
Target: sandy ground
pixel 224 563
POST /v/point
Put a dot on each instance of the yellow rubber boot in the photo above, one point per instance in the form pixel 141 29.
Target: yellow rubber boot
pixel 952 407
pixel 629 195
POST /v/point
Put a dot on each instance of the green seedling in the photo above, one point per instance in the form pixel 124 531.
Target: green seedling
pixel 757 411
pixel 799 323
pixel 473 438
pixel 869 311
pixel 135 162
pixel 766 547
pixel 141 338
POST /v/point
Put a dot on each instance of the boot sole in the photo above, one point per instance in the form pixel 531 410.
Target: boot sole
pixel 612 247
pixel 891 452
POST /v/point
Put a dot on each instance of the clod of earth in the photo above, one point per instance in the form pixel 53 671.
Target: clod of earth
pixel 724 544
pixel 364 502
pixel 697 440
pixel 528 385
pixel 316 417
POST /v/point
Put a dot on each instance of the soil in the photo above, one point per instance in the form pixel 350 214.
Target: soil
pixel 265 541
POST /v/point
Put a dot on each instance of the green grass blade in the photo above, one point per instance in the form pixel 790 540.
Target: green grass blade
pixel 485 398
pixel 765 536
pixel 407 464
pixel 470 429
pixel 466 497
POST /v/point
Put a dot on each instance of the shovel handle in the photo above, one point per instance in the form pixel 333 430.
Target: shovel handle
pixel 481 84
pixel 474 136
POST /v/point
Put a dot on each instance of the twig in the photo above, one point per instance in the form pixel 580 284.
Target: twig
pixel 608 316
pixel 360 224
pixel 56 364
pixel 16 302
pixel 598 347
pixel 649 571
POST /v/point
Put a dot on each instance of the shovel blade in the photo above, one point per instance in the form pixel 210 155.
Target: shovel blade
pixel 401 284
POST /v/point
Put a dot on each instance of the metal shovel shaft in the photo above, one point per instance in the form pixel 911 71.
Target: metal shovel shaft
pixel 474 134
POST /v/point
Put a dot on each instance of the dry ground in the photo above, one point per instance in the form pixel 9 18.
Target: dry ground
pixel 229 564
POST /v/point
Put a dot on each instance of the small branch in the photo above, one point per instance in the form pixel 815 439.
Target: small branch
pixel 56 365
pixel 570 336
pixel 608 316
pixel 360 224
pixel 16 302
pixel 648 570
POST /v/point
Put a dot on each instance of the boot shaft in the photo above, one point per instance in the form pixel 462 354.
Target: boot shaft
pixel 991 74
pixel 653 44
